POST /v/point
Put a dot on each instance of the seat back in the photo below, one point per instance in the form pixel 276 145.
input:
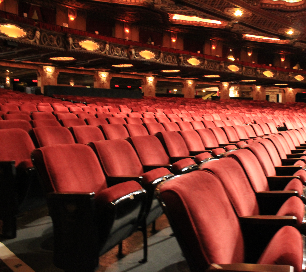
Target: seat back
pixel 252 168
pixel 153 128
pixel 185 125
pixel 93 121
pixel 43 115
pixel 136 130
pixel 231 134
pixel 271 149
pixel 208 138
pixel 208 124
pixel 87 134
pixel 16 145
pixel 114 131
pixel 220 135
pixel 236 184
pixel 22 124
pixel 258 130
pixel 150 150
pixel 69 168
pixel 249 131
pixel 197 125
pixel 118 158
pixel 46 136
pixel 195 203
pixel 192 140
pixel 73 122
pixel 241 132
pixel 171 126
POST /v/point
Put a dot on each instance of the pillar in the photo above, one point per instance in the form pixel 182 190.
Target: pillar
pixel 149 86
pixel 258 92
pixel 224 90
pixel 102 80
pixel 189 88
pixel 47 75
pixel 289 96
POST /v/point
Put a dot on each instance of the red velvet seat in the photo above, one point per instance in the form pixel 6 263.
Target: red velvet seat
pixel 16 116
pixel 153 128
pixel 258 130
pixel 208 124
pixel 65 115
pixel 46 123
pixel 185 126
pixel 250 131
pixel 53 135
pixel 136 130
pixel 218 123
pixel 208 138
pixel 86 134
pixel 95 121
pixel 209 232
pixel 171 126
pixel 220 136
pixel 133 120
pixel 43 115
pixel 231 134
pixel 241 132
pixel 73 122
pixel 83 209
pixel 114 131
pixel 197 125
pixel 25 125
pixel 116 120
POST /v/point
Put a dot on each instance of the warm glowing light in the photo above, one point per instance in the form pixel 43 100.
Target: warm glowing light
pixel 264 39
pixel 146 54
pixel 175 90
pixel 283 59
pixel 238 13
pixel 248 80
pixel 233 68
pixel 49 69
pixel 123 65
pixel 193 61
pixel 190 82
pixel 290 32
pixel 127 30
pixel 231 56
pixel 71 17
pixel 170 71
pixel 211 76
pixel 12 31
pixel 62 58
pixel 299 78
pixel 280 84
pixel 194 19
pixel 268 73
pixel 173 39
pixel 225 84
pixel 89 45
pixel 71 83
pixel 213 47
pixel 250 52
pixel 7 80
pixel 150 79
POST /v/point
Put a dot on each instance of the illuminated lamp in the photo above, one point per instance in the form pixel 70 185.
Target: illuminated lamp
pixel 72 14
pixel 283 58
pixel 129 87
pixel 268 73
pixel 297 67
pixel 89 45
pixel 213 44
pixel 194 20
pixel 280 84
pixel 233 68
pixel 249 51
pixel 299 78
pixel 211 76
pixel 12 31
pixel 117 86
pixel 146 54
pixel 123 65
pixel 71 82
pixel 193 61
pixel 230 55
pixel 127 30
pixel 170 71
pixel 16 79
pixel 238 13
pixel 62 58
pixel 173 37
pixel 248 80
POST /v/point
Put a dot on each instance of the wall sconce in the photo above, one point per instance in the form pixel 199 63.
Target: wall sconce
pixel 283 58
pixel 190 82
pixel 72 14
pixel 297 67
pixel 150 80
pixel 230 55
pixel 225 84
pixel 71 82
pixel 249 51
pixel 49 70
pixel 173 37
pixel 213 44
pixel 7 81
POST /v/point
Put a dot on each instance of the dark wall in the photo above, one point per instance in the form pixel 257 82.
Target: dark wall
pixel 98 92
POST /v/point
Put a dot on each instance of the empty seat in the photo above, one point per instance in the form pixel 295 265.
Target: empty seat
pixel 185 126
pixel 136 130
pixel 114 131
pixel 43 115
pixel 197 125
pixel 208 138
pixel 208 124
pixel 73 122
pixel 116 120
pixel 220 136
pixel 16 116
pixel 46 123
pixel 86 134
pixel 66 115
pixel 171 126
pixel 53 135
pixel 153 128
pixel 95 121
pixel 133 120
pixel 149 120
pixel 194 217
pixel 83 209
pixel 25 125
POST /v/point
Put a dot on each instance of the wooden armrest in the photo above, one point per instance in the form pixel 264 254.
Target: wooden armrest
pixel 287 170
pixel 250 267
pixel 279 182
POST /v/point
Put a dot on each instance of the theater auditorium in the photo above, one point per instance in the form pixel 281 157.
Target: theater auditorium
pixel 152 135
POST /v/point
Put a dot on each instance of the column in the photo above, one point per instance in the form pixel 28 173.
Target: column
pixel 224 90
pixel 47 75
pixel 289 96
pixel 149 86
pixel 102 80
pixel 258 92
pixel 189 88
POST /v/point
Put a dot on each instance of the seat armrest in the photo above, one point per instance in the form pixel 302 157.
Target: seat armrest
pixel 250 267
pixel 194 153
pixel 295 155
pixel 280 182
pixel 296 151
pixel 269 202
pixel 287 170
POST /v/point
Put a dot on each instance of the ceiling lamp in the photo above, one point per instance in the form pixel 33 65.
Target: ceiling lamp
pixel 194 20
pixel 233 68
pixel 230 55
pixel 123 65
pixel 249 51
pixel 193 61
pixel 89 45
pixel 146 54
pixel 299 78
pixel 297 67
pixel 281 84
pixel 248 80
pixel 268 73
pixel 72 14
pixel 237 12
pixel 62 58
pixel 257 38
pixel 211 76
pixel 170 71
pixel 12 31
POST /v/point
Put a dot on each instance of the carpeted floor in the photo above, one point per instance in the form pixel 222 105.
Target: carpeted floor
pixel 33 245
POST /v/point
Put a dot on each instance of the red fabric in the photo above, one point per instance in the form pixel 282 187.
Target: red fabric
pixel 202 157
pixel 53 135
pixel 218 151
pixel 117 191
pixel 118 158
pixel 15 116
pixel 174 143
pixel 231 134
pixel 192 140
pixel 116 120
pixel 170 126
pixel 73 122
pixel 154 174
pixel 249 131
pixel 46 123
pixel 208 124
pixel 196 226
pixel 150 150
pixel 179 165
pixel 220 135
pixel 16 145
pixel 153 128
pixel 73 168
pixel 87 134
pixel 43 115
pixel 197 125
pixel 185 126
pixel 114 131
pixel 295 185
pixel 236 184
pixel 93 121
pixel 22 124
pixel 285 248
pixel 136 130
pixel 208 138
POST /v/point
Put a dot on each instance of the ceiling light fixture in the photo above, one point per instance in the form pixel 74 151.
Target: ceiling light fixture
pixel 170 71
pixel 299 77
pixel 211 76
pixel 123 65
pixel 89 45
pixel 62 58
pixel 146 54
pixel 12 31
pixel 233 68
pixel 193 61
